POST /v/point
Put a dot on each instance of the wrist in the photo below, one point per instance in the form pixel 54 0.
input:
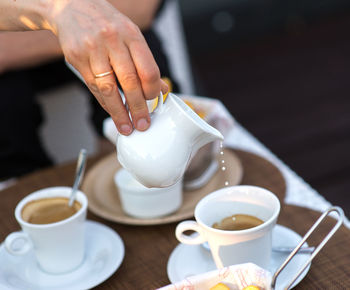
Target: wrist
pixel 41 14
pixel 25 15
pixel 46 11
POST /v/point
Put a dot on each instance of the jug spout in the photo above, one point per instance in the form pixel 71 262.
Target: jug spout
pixel 200 132
pixel 209 135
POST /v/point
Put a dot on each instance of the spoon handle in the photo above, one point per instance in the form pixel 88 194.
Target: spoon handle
pixel 302 250
pixel 78 175
pixel 287 250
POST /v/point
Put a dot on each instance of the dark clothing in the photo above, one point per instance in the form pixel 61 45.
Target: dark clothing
pixel 21 150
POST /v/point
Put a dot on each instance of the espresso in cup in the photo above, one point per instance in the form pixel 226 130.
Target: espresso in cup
pixel 49 210
pixel 238 222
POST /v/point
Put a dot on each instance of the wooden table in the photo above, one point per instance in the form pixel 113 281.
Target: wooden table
pixel 148 247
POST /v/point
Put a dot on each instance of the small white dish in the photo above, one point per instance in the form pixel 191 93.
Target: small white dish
pixel 189 260
pixel 142 202
pixel 104 254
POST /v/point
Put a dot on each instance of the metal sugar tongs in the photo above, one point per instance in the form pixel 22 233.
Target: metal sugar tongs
pixel 340 218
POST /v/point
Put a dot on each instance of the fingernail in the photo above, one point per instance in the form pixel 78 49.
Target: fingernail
pixel 142 124
pixel 125 129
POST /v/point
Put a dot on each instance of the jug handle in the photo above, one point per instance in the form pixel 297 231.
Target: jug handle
pixel 159 103
pixel 158 108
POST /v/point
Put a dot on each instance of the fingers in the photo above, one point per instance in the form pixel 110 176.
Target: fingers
pixel 91 84
pixel 108 90
pixel 130 82
pixel 83 67
pixel 146 68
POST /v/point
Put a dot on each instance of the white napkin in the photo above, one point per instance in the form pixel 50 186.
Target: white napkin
pixel 236 277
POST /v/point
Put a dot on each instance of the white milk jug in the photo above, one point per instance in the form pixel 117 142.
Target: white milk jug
pixel 159 156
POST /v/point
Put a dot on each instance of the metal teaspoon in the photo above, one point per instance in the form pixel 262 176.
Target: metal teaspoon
pixel 78 175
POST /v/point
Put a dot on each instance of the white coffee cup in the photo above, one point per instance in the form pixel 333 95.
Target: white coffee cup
pixel 59 247
pixel 240 246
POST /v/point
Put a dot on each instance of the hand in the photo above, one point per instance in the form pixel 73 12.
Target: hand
pixel 96 38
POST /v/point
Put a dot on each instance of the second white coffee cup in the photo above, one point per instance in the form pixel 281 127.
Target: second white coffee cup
pixel 239 246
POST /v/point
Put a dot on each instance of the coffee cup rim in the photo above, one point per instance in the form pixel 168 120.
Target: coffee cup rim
pixel 51 192
pixel 270 221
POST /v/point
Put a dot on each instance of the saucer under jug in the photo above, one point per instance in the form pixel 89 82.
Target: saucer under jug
pixel 159 156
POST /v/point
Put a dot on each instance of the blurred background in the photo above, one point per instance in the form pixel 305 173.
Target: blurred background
pixel 282 68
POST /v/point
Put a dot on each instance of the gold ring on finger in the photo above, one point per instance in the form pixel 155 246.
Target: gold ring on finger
pixel 101 75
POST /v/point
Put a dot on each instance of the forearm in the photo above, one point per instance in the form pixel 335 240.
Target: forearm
pixel 19 15
pixel 40 47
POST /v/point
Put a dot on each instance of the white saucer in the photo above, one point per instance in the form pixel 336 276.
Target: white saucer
pixel 104 254
pixel 189 260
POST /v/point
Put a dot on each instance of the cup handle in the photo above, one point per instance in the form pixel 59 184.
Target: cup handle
pixel 23 248
pixel 187 239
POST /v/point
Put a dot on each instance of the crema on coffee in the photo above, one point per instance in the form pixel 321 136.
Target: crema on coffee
pixel 238 222
pixel 49 210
